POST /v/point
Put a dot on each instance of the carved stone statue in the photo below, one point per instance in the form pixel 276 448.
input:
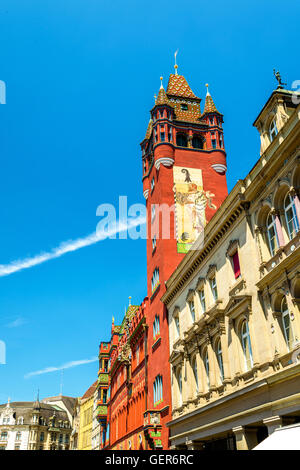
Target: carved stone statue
pixel 278 78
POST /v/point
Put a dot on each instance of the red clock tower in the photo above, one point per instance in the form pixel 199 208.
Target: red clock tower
pixel 184 167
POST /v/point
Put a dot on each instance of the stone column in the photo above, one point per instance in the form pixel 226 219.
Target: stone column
pixel 276 214
pixel 225 356
pixel 212 366
pixel 245 438
pixel 272 423
pixel 189 381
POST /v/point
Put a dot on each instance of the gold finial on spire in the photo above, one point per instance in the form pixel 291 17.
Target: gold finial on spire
pixel 113 320
pixel 176 66
pixel 207 92
pixel 129 300
pixel 161 84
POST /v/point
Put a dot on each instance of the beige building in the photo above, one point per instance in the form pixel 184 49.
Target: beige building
pixel 36 425
pixel 233 302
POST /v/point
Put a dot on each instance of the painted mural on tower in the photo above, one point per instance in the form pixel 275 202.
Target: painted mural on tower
pixel 190 203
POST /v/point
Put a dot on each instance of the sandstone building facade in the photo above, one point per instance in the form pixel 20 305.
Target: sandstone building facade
pixel 234 302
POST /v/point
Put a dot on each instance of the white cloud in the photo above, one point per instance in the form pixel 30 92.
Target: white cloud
pixel 67 365
pixel 67 247
pixel 16 323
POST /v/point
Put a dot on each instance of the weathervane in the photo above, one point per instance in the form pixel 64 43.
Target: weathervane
pixel 278 78
pixel 176 66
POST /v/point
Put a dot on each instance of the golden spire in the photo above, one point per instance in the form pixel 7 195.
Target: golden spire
pixel 161 83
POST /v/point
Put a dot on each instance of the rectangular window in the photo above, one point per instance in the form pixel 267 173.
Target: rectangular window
pixel 177 325
pixel 162 136
pixel 213 285
pixel 152 184
pixel 236 265
pixel 156 328
pixel 192 310
pixel 152 213
pixel 184 107
pixel 213 143
pixel 202 300
pixel 154 242
pixel 155 279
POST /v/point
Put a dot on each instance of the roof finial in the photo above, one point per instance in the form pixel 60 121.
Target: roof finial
pixel 161 84
pixel 207 92
pixel 279 79
pixel 8 402
pixel 176 66
pixel 155 98
pixel 129 300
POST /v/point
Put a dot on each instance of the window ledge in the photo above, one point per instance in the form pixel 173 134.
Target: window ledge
pixel 156 343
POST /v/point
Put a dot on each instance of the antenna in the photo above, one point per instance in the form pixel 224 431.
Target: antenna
pixel 61 382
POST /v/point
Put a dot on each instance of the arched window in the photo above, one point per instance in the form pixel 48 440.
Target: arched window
pixel 181 140
pixel 206 365
pixel 179 382
pixel 286 323
pixel 197 142
pixel 291 218
pixel 246 345
pixel 220 359
pixel 195 372
pixel 272 234
pixel 273 131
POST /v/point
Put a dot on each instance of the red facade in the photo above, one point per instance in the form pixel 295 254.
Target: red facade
pixel 179 136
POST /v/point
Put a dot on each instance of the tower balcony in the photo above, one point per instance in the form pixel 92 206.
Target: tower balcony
pixel 103 378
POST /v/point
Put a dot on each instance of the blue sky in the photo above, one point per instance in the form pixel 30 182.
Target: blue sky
pixel 80 77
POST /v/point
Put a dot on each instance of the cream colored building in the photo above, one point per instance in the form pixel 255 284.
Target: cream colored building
pixel 36 425
pixel 233 302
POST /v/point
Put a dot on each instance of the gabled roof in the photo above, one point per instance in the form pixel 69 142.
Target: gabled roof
pixel 178 86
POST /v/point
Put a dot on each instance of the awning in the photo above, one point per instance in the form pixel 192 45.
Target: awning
pixel 286 438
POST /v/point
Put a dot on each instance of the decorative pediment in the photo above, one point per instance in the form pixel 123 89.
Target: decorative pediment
pixel 190 295
pixel 211 271
pixel 200 283
pixel 238 304
pixel 232 247
pixel 176 311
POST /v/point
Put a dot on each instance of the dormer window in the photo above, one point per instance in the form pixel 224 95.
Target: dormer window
pixel 184 107
pixel 273 131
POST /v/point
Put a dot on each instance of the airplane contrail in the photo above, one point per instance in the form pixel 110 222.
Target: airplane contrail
pixel 68 246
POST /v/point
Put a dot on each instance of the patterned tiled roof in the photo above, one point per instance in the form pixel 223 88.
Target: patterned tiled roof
pixel 162 98
pixel 210 106
pixel 149 130
pixel 178 86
